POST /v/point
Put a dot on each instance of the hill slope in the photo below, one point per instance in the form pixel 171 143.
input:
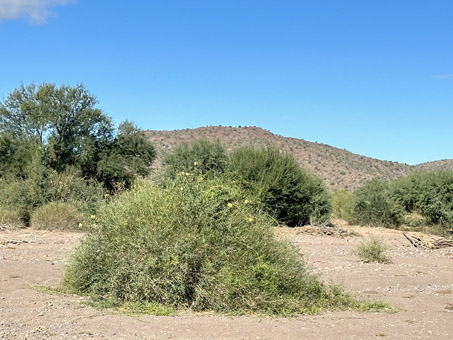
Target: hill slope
pixel 339 168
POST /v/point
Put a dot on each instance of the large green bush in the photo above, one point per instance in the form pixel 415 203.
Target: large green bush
pixel 287 191
pixel 200 157
pixel 43 185
pixel 57 216
pixel 194 244
pixel 427 193
pixel 373 205
pixel 10 219
pixel 69 186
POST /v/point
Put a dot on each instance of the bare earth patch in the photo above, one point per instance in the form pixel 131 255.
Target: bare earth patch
pixel 418 282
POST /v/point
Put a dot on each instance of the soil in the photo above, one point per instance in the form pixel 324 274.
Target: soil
pixel 418 283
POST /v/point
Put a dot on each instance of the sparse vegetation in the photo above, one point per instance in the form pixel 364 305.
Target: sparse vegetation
pixel 373 250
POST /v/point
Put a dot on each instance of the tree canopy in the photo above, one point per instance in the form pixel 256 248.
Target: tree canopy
pixel 68 128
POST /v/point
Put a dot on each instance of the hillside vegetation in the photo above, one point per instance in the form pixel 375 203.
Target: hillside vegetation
pixel 339 168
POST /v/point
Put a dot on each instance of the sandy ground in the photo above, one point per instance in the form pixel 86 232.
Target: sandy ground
pixel 419 283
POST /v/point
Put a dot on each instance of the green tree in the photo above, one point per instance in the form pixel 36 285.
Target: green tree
pixel 64 119
pixel 16 155
pixel 72 133
pixel 127 157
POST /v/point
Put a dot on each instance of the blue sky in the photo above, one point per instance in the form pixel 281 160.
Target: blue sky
pixel 373 77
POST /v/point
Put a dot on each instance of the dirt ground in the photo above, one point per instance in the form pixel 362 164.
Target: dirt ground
pixel 418 282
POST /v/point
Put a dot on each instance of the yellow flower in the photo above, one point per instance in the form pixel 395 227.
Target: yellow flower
pixel 93 217
pixel 229 205
pixel 250 219
pixel 246 201
pixel 80 225
pixel 195 163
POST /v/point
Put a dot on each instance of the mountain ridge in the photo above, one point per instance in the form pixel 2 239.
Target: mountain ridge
pixel 340 168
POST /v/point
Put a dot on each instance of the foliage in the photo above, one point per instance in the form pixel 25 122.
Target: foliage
pixel 56 216
pixel 68 186
pixel 129 156
pixel 341 204
pixel 25 195
pixel 10 219
pixel 42 185
pixel 71 132
pixel 373 251
pixel 62 118
pixel 372 205
pixel 16 155
pixel 193 244
pixel 428 193
pixel 200 157
pixel 287 191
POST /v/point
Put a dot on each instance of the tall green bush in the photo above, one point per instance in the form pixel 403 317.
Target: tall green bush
pixel 194 244
pixel 427 193
pixel 57 216
pixel 10 219
pixel 287 191
pixel 200 157
pixel 373 205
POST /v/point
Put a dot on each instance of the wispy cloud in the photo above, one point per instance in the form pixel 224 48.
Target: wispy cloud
pixel 37 10
pixel 444 76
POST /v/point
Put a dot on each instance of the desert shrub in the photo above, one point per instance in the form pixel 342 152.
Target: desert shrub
pixel 372 205
pixel 22 196
pixel 427 193
pixel 69 186
pixel 190 245
pixel 287 191
pixel 56 216
pixel 341 204
pixel 200 157
pixel 373 250
pixel 44 185
pixel 414 220
pixel 10 219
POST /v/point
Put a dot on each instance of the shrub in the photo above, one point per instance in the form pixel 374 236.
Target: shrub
pixel 188 245
pixel 287 191
pixel 372 205
pixel 200 157
pixel 341 204
pixel 68 186
pixel 373 251
pixel 21 196
pixel 10 219
pixel 56 216
pixel 43 185
pixel 427 193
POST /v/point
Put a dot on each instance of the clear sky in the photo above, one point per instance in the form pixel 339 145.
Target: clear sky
pixel 373 77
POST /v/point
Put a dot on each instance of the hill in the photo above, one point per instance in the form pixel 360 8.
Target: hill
pixel 339 168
